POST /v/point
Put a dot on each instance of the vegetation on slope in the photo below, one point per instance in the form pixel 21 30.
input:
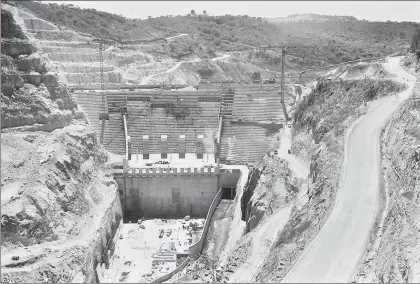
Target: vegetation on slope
pixel 330 104
pixel 415 43
pixel 316 42
pixel 9 29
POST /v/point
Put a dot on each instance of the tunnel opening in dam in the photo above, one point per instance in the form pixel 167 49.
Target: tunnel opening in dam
pixel 228 193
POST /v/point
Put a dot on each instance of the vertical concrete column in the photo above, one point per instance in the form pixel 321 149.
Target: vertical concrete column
pixel 163 146
pixel 125 166
pixel 199 146
pixel 182 146
pixel 129 147
pixel 146 144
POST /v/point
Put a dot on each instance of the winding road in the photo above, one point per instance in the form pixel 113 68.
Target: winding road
pixel 334 254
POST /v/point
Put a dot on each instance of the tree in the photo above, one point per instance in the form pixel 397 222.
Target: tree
pixel 415 41
pixel 193 12
pixel 204 12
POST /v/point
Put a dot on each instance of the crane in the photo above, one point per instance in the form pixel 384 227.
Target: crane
pixel 103 115
pixel 283 53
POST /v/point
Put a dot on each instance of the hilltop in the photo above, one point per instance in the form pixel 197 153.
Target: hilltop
pixel 312 18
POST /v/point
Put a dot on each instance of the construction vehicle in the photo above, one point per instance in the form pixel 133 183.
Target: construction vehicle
pixel 256 78
pixel 270 81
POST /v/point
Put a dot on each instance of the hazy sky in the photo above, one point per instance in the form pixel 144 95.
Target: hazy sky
pixel 369 10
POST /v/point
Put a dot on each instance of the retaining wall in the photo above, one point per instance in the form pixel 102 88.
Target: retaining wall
pixel 162 192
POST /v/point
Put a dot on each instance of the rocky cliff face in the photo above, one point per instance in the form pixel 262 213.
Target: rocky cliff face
pixel 31 95
pixel 60 204
pixel 270 186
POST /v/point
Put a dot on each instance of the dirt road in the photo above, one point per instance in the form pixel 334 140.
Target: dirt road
pixel 334 254
pixel 296 165
pixel 222 56
pixel 146 80
pixel 172 37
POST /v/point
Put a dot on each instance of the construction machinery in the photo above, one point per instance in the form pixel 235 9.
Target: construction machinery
pixel 256 78
pixel 270 81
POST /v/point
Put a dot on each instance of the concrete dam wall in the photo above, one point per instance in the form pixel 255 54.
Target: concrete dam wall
pixel 173 192
pixel 167 195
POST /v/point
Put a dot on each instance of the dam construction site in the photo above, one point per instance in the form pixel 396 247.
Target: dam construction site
pixel 208 149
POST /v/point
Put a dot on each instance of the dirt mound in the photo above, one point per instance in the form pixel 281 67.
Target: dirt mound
pixel 367 70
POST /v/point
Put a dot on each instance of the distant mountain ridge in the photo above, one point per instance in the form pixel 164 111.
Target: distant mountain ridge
pixel 311 18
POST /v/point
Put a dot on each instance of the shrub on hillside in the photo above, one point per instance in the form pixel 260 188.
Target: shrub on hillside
pixel 205 72
pixel 415 43
pixel 320 43
pixel 9 29
pixel 344 97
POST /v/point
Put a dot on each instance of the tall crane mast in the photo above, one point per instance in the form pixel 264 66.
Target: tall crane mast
pixel 283 54
pixel 103 115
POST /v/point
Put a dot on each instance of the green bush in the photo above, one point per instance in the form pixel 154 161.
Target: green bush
pixel 205 72
pixel 9 29
pixel 320 42
pixel 415 43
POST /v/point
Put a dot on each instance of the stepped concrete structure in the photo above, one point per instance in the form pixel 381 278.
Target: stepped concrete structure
pixel 251 116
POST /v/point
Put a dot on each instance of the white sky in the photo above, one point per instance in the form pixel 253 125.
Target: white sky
pixel 369 10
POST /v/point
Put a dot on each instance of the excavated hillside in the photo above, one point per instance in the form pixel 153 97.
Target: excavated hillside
pixel 60 204
pixel 180 59
pixel 180 49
